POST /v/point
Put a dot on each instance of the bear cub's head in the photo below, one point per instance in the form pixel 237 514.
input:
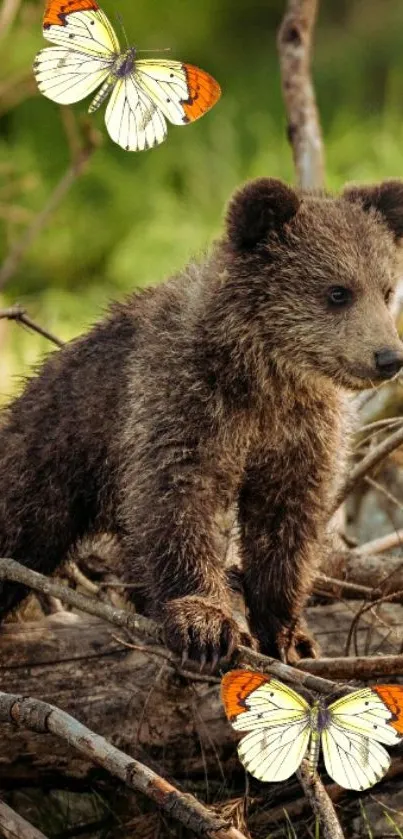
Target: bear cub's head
pixel 315 276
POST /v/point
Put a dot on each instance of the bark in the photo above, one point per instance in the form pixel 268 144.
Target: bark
pixel 132 697
pixel 294 46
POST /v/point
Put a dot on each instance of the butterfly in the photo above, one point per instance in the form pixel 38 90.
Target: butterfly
pixel 283 729
pixel 144 93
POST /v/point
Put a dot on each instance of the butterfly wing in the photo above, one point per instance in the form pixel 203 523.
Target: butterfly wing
pixel 67 76
pixel 351 759
pixel 375 712
pixel 358 723
pixel 132 118
pixel 277 718
pixel 182 92
pixel 86 48
pixel 80 25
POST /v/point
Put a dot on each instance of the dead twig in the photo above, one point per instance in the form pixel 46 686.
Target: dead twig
pixel 382 572
pixel 42 717
pixel 369 462
pixel 147 629
pixel 294 44
pixel 384 543
pixel 332 587
pixel 355 667
pixel 18 313
pixel 13 826
pixel 386 598
pixel 320 802
pixel 19 249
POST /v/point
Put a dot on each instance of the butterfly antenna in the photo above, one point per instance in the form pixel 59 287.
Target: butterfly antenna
pixel 122 26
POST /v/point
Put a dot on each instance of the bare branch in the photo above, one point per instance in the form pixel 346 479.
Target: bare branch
pixel 320 802
pixel 342 588
pixel 369 462
pixel 384 543
pixel 294 44
pixel 354 667
pixel 386 598
pixel 147 629
pixel 382 572
pixel 13 826
pixel 18 313
pixel 42 717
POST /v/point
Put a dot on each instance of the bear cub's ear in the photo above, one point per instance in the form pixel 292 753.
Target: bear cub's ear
pixel 257 208
pixel 386 198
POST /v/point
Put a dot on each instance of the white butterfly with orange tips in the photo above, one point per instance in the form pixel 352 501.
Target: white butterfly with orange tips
pixel 144 93
pixel 283 729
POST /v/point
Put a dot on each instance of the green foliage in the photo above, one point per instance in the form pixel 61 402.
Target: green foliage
pixel 132 219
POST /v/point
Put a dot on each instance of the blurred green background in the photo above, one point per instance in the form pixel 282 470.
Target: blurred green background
pixel 133 218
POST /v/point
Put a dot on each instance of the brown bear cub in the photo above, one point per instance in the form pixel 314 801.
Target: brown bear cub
pixel 222 388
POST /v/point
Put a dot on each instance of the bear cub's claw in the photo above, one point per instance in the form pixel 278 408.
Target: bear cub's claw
pixel 201 632
pixel 288 643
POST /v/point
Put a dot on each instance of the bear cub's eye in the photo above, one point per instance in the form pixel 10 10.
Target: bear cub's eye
pixel 388 296
pixel 338 295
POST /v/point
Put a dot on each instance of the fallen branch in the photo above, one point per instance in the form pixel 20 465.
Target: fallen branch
pixel 386 598
pixel 45 718
pixel 294 44
pixel 369 462
pixel 356 667
pixel 13 826
pixel 383 543
pixel 381 572
pixel 320 802
pixel 147 629
pixel 18 313
pixel 333 587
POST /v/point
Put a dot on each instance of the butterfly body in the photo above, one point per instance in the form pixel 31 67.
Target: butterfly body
pixel 283 728
pixel 143 93
pixel 123 66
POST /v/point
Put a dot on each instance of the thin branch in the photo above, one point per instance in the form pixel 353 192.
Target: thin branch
pixel 18 313
pixel 17 252
pixel 356 667
pixel 42 717
pixel 369 462
pixel 294 45
pixel 384 543
pixel 342 588
pixel 147 629
pixel 13 826
pixel 320 802
pixel 386 598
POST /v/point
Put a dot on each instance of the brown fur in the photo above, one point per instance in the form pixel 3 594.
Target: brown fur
pixel 224 386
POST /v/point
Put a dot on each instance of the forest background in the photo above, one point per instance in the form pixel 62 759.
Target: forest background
pixel 132 219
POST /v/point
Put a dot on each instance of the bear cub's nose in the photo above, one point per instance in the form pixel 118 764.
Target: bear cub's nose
pixel 388 362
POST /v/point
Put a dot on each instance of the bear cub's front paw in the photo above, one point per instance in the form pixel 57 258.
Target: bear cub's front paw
pixel 200 631
pixel 288 643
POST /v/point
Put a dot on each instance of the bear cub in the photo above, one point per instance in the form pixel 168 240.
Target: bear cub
pixel 222 389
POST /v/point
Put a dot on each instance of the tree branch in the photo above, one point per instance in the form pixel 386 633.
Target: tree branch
pixel 369 462
pixel 294 44
pixel 13 826
pixel 355 667
pixel 18 313
pixel 320 802
pixel 147 629
pixel 42 717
